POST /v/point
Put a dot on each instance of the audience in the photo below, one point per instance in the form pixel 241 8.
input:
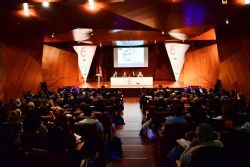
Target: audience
pixel 70 111
pixel 205 138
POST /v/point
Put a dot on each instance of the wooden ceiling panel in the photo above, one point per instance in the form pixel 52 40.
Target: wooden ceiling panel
pixel 139 19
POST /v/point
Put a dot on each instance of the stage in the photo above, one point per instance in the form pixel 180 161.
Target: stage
pixel 133 91
pixel 170 84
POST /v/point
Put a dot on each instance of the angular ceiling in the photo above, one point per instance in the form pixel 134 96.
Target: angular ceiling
pixel 148 20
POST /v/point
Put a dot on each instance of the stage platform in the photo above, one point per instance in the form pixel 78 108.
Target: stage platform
pixel 133 91
pixel 170 84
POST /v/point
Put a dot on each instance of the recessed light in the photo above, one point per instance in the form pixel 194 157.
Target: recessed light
pixel 26 9
pixel 92 5
pixel 45 3
pixel 224 2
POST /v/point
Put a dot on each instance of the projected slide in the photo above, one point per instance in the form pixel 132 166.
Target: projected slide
pixel 131 57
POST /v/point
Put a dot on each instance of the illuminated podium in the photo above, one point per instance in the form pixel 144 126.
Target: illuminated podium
pixel 133 81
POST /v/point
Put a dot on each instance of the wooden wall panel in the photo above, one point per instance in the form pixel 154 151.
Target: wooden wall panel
pixel 230 42
pixel 159 64
pixel 22 59
pixel 1 75
pixel 59 67
pixel 235 67
pixel 201 67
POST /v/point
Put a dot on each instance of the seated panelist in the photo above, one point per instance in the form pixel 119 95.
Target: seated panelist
pixel 140 74
pixel 124 74
pixel 133 74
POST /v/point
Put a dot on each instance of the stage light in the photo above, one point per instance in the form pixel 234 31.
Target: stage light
pixel 116 30
pixel 26 9
pixel 227 21
pixel 45 3
pixel 247 2
pixel 162 32
pixel 224 2
pixel 92 4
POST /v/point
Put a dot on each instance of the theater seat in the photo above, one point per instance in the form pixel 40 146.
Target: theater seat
pixel 208 157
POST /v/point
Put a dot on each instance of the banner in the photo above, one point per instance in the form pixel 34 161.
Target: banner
pixel 176 53
pixel 85 58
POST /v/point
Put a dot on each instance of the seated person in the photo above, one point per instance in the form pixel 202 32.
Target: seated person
pixel 133 74
pixel 140 74
pixel 205 135
pixel 124 74
pixel 177 117
pixel 115 74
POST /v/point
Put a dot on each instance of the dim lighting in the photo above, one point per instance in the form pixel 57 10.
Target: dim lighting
pixel 45 3
pixel 26 9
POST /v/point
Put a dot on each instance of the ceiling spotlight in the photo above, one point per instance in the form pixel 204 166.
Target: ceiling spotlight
pixel 26 9
pixel 91 4
pixel 224 2
pixel 45 3
pixel 162 32
pixel 53 35
pixel 100 44
pixel 155 41
pixel 226 21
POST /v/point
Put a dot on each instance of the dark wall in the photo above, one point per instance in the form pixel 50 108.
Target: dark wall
pixel 159 64
pixel 234 53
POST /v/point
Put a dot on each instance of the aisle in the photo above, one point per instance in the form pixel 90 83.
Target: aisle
pixel 136 151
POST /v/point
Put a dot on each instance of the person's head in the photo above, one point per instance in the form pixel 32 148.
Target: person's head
pixel 205 132
pixel 13 116
pixel 178 108
pixel 30 106
pixel 61 120
pixel 94 94
pixel 85 109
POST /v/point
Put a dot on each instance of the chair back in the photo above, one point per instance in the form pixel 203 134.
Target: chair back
pixel 208 157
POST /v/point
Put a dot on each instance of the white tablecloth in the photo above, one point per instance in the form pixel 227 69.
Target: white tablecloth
pixel 131 81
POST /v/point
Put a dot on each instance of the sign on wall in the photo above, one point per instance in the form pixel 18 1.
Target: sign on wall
pixel 85 58
pixel 176 53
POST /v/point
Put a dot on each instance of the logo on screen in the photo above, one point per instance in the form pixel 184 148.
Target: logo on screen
pixel 127 55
